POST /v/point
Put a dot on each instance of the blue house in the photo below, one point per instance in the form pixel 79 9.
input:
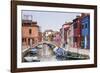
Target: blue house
pixel 85 31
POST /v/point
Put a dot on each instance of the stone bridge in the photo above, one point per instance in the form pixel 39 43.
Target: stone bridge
pixel 36 44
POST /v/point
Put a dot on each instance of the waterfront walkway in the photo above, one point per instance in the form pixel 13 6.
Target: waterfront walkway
pixel 79 50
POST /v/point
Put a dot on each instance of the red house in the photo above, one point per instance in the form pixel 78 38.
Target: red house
pixel 77 32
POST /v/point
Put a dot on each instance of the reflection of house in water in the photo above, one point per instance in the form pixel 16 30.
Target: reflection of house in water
pixel 30 32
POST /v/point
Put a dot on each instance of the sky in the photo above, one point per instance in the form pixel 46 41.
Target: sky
pixel 49 19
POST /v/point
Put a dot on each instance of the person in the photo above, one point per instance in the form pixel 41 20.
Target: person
pixel 59 52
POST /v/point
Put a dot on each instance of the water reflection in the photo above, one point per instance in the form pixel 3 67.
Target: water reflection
pixel 50 52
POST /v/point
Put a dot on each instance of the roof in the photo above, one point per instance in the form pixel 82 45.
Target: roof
pixel 26 21
pixel 29 23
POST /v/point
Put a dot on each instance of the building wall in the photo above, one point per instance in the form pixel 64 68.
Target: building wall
pixel 47 35
pixel 34 32
pixel 77 32
pixel 86 31
pixel 64 31
pixel 30 34
pixel 57 39
pixel 70 36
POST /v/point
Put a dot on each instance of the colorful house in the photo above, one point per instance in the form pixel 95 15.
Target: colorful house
pixel 70 35
pixel 77 32
pixel 47 35
pixel 57 38
pixel 85 31
pixel 30 33
pixel 64 30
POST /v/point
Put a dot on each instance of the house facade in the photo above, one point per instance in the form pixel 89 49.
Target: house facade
pixel 85 31
pixel 64 31
pixel 30 33
pixel 77 32
pixel 70 36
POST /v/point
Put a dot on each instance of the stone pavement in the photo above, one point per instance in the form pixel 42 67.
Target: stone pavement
pixel 80 51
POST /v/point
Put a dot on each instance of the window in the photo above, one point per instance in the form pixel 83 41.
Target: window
pixel 82 42
pixel 85 25
pixel 75 39
pixel 75 25
pixel 82 26
pixel 30 31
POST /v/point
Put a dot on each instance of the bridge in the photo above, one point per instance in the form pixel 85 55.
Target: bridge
pixel 24 51
pixel 48 42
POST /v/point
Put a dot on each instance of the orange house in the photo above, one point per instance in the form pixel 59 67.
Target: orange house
pixel 30 33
